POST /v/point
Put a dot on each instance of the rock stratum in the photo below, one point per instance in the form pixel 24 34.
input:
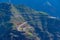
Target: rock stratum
pixel 18 22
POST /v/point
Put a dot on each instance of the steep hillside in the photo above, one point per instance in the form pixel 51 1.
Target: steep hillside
pixel 18 22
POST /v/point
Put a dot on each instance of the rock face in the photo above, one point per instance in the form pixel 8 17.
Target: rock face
pixel 18 22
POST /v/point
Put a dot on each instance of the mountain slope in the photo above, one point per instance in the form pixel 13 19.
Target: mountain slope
pixel 18 22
